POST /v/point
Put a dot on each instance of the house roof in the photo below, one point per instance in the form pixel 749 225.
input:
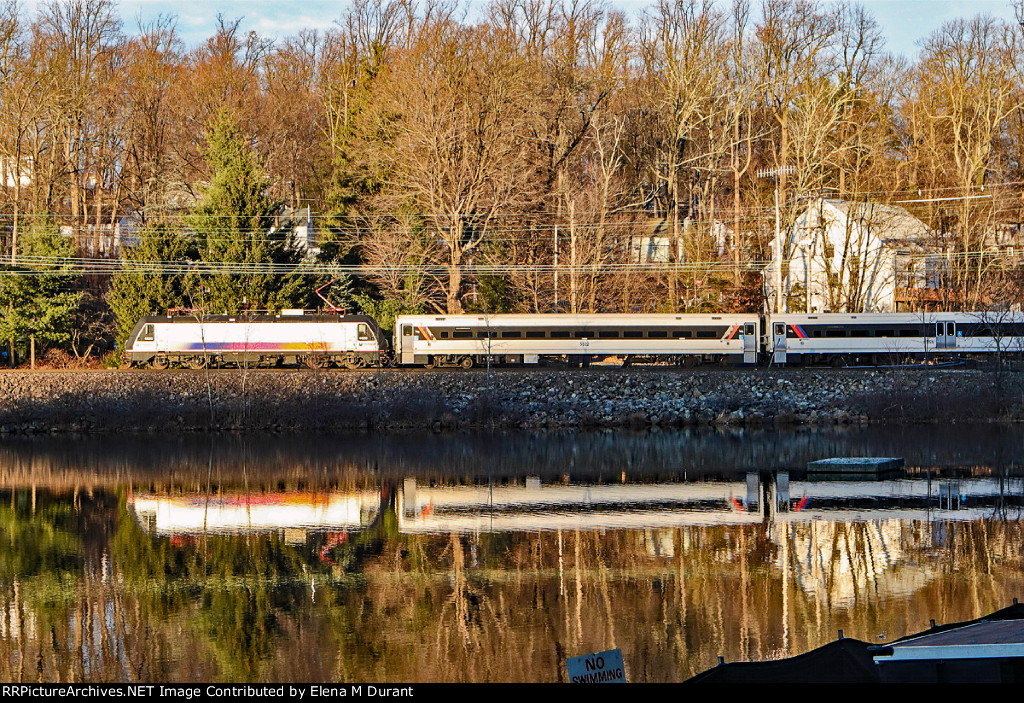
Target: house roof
pixel 891 221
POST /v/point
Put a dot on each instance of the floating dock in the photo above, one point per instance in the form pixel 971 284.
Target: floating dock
pixel 847 467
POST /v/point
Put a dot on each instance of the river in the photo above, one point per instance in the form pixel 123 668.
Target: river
pixel 489 557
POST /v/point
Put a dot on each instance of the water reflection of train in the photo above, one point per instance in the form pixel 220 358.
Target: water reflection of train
pixel 355 341
pixel 533 506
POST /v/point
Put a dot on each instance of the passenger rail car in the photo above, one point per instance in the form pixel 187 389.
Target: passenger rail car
pixel 880 338
pixel 466 340
pixel 440 341
pixel 289 338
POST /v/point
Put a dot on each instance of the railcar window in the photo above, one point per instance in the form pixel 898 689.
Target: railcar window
pixel 535 334
pixel 406 330
pixel 485 334
pixel 860 333
pixel 911 332
pixel 462 333
pixel 608 334
pixel 707 334
pixel 632 334
pixel 981 332
pixel 657 334
pixel 682 334
pixel 511 334
pixel 582 334
pixel 559 334
pixel 443 334
pixel 835 333
pixel 884 333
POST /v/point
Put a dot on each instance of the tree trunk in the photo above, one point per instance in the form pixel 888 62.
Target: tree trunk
pixel 454 305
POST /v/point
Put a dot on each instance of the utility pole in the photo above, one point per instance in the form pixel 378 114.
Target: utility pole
pixel 774 173
pixel 556 267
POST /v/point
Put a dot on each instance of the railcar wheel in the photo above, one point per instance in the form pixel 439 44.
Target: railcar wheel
pixel 690 362
pixel 432 364
pixel 467 362
pixel 838 362
pixel 197 362
pixel 315 361
pixel 160 363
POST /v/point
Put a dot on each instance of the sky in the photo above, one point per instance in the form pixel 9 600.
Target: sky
pixel 904 22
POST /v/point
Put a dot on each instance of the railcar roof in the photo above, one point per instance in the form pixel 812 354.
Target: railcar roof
pixel 192 320
pixel 568 319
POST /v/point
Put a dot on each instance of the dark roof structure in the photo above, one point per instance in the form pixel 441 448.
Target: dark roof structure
pixel 951 652
pixel 842 661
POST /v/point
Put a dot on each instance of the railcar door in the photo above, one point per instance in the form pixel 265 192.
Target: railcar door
pixel 749 343
pixel 779 342
pixel 945 334
pixel 407 345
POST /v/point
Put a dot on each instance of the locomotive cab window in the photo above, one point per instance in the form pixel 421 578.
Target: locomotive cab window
pixel 147 333
pixel 364 332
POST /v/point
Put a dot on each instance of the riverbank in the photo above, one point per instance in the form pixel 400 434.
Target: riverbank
pixel 302 401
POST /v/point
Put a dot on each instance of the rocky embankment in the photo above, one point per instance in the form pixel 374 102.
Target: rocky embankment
pixel 296 401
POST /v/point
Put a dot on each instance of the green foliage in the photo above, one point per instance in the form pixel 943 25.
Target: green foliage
pixel 339 292
pixel 234 222
pixel 137 291
pixel 385 311
pixel 39 542
pixel 493 295
pixel 37 300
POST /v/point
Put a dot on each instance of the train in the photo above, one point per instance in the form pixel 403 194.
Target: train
pixel 338 340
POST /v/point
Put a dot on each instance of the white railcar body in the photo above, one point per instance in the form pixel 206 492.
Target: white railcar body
pixel 263 339
pixel 878 337
pixel 468 339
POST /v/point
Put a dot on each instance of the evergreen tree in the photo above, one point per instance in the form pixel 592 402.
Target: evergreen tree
pixel 141 288
pixel 36 296
pixel 234 223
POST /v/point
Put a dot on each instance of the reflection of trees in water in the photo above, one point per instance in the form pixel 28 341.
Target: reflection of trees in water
pixel 487 607
pixel 842 564
pixel 658 455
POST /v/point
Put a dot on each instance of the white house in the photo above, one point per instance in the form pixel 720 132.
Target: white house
pixel 654 245
pixel 842 256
